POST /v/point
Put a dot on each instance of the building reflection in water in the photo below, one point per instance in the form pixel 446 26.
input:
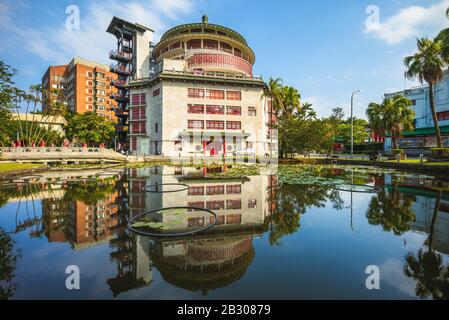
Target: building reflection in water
pixel 87 214
pixel 214 258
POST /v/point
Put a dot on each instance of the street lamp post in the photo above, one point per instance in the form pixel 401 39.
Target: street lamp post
pixel 352 122
pixel 115 143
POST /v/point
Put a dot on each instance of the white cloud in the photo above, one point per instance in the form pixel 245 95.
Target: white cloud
pixel 391 273
pixel 58 45
pixel 410 22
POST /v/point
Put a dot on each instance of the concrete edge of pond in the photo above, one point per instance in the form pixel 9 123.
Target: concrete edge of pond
pixel 419 168
pixel 21 172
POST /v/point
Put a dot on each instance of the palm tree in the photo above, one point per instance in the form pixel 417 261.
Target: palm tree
pixel 272 93
pixel 443 36
pixel 427 65
pixel 393 115
pixel 427 268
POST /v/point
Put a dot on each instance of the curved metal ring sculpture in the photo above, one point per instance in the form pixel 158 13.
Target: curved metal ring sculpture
pixel 171 235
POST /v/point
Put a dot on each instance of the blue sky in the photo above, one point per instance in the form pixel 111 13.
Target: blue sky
pixel 322 47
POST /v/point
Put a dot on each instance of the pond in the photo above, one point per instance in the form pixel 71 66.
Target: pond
pixel 286 232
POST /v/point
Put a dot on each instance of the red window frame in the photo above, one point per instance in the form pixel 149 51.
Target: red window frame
pixel 442 116
pixel 138 99
pixel 215 94
pixel 234 204
pixel 214 124
pixel 211 109
pixel 195 108
pixel 195 124
pixel 234 95
pixel 195 93
pixel 214 190
pixel 196 191
pixel 215 205
pixel 233 125
pixel 234 110
pixel 234 189
pixel 234 219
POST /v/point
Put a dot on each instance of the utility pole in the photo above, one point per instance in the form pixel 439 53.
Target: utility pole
pixel 352 122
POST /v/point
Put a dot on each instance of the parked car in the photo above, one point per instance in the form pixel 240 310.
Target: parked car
pixel 244 154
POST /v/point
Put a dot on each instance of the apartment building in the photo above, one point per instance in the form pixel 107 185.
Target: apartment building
pixel 84 85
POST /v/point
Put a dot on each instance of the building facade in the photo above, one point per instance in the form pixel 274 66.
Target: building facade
pixel 84 85
pixel 201 97
pixel 423 137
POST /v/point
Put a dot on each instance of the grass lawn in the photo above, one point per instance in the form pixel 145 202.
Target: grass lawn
pixel 5 167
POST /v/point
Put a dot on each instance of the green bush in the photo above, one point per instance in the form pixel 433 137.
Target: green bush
pixel 440 153
pixel 397 151
pixel 366 148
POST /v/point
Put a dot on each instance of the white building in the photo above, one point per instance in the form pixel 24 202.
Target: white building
pixel 201 98
pixel 423 137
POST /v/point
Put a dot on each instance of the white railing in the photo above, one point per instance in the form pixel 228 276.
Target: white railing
pixel 58 153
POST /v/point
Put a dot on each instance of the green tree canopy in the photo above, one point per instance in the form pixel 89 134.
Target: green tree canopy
pixel 392 116
pixel 427 65
pixel 90 128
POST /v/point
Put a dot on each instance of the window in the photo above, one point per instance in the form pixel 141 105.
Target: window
pixel 234 219
pixel 101 108
pixel 213 124
pixel 134 145
pixel 233 204
pixel 138 113
pixel 101 92
pixel 198 204
pixel 249 145
pixel 196 124
pixel 210 44
pixel 215 205
pixel 234 189
pixel 196 191
pixel 213 190
pixel 138 127
pixel 413 102
pixel 156 92
pixel 100 75
pixel 443 116
pixel 195 108
pixel 234 95
pixel 138 99
pixel 225 47
pixel 214 109
pixel 89 74
pixel 252 203
pixel 194 44
pixel 252 111
pixel 237 52
pixel 233 125
pixel 178 147
pixel 215 94
pixel 196 93
pixel 156 127
pixel 237 111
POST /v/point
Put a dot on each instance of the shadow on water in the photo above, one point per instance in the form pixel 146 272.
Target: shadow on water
pixel 255 212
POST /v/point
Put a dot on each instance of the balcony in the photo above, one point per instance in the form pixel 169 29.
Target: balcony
pixel 217 60
pixel 124 71
pixel 120 56
pixel 121 98
pixel 120 84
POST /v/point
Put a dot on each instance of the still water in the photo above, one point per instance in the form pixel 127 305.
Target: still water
pixel 292 232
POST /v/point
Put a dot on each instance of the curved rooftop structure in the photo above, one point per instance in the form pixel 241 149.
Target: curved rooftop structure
pixel 207 47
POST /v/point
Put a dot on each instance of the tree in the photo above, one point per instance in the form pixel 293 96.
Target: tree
pixel 272 94
pixel 443 36
pixel 360 134
pixel 392 210
pixel 8 262
pixel 90 128
pixel 427 65
pixel 432 278
pixel 8 97
pixel 335 120
pixel 393 115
